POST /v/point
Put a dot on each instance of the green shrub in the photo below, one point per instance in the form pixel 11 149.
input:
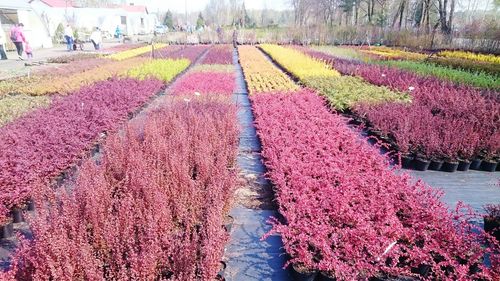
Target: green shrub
pixel 477 79
pixel 161 69
pixel 13 107
pixel 346 91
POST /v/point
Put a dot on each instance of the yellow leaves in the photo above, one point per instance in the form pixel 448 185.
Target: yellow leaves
pixel 490 58
pixel 13 107
pixel 261 75
pixel 298 63
pixel 162 69
pixel 134 52
pixel 346 91
pixel 394 53
pixel 63 85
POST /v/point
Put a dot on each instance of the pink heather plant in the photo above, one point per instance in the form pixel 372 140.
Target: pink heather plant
pixel 39 146
pixel 466 117
pixel 151 210
pixel 345 212
pixel 205 83
pixel 220 54
pixel 191 53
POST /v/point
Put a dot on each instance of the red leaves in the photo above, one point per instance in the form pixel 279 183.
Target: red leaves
pixel 346 212
pixel 36 148
pixel 161 218
pixel 220 54
pixel 442 121
pixel 205 83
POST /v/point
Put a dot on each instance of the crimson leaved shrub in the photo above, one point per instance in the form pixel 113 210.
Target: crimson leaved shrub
pixel 444 120
pixel 347 213
pixel 40 145
pixel 205 83
pixel 220 54
pixel 151 209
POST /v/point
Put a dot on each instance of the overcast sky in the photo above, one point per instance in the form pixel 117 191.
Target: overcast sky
pixel 198 5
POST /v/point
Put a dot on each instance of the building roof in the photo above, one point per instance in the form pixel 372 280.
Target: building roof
pixel 58 3
pixel 15 5
pixel 134 8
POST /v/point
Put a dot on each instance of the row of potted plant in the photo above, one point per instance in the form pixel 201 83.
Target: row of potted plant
pixel 458 70
pixel 443 122
pixel 40 145
pixel 219 54
pixel 260 74
pixel 127 54
pixel 297 63
pixel 151 208
pixel 349 216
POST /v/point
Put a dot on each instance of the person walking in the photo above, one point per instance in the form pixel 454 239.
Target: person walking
pixel 96 38
pixel 18 38
pixel 68 35
pixel 3 41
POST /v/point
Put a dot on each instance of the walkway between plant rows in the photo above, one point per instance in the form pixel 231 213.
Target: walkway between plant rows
pixel 247 257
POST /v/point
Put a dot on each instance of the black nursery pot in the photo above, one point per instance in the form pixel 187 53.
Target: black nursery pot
pixel 421 164
pixel 492 226
pixel 17 215
pixel 301 275
pixel 449 167
pixel 222 269
pixel 488 166
pixel 436 165
pixel 475 164
pixel 406 162
pixel 7 230
pixel 228 223
pixel 463 166
pixel 325 277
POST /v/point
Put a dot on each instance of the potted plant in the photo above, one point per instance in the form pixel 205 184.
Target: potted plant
pixel 492 220
pixel 7 229
pixel 302 273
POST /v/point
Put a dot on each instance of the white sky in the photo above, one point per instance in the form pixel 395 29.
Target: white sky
pixel 198 5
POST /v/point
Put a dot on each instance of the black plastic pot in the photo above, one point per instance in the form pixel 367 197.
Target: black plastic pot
pixel 17 215
pixel 325 277
pixel 435 165
pixel 228 223
pixel 299 275
pixel 421 164
pixel 406 162
pixel 463 166
pixel 30 206
pixel 449 167
pixel 492 226
pixel 7 230
pixel 475 164
pixel 222 269
pixel 488 166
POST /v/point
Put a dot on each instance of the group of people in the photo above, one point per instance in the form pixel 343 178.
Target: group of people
pixel 95 38
pixel 19 39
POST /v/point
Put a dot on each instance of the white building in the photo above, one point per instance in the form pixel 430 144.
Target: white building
pixel 131 19
pixel 20 11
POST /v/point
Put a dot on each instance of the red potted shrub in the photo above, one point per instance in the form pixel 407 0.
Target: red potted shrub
pixel 492 220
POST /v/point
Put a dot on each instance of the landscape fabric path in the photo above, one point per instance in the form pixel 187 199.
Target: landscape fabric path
pixel 247 257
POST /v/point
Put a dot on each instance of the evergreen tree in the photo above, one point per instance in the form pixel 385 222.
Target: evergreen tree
pixel 169 20
pixel 200 22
